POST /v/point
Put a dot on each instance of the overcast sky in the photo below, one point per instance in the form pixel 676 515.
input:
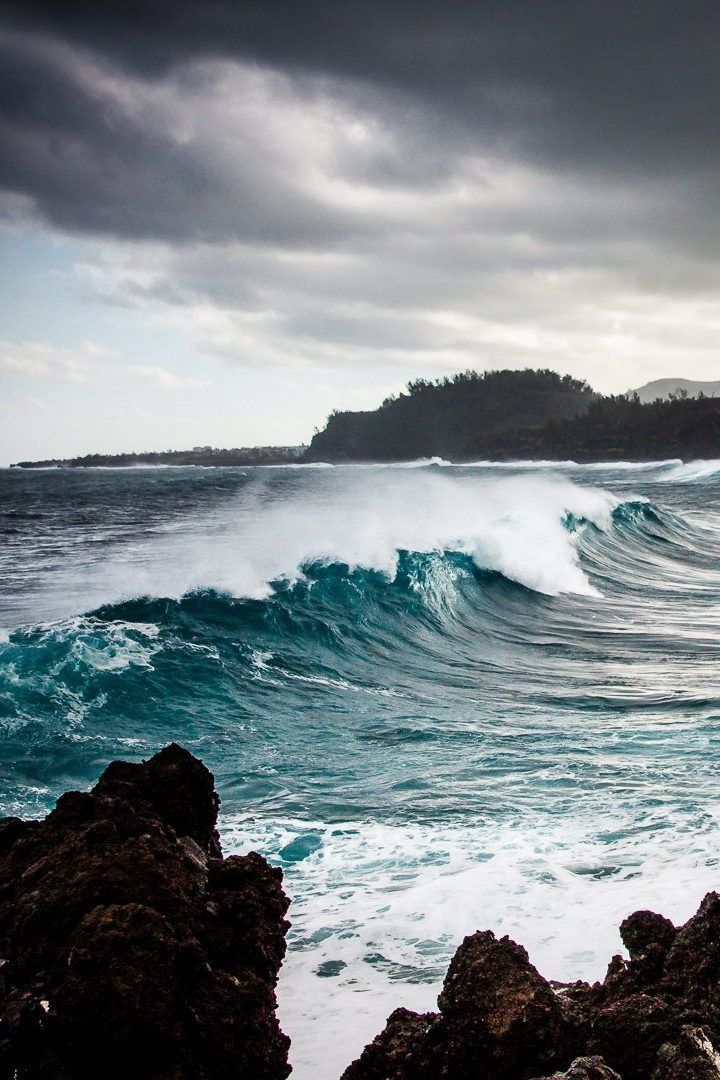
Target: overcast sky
pixel 220 220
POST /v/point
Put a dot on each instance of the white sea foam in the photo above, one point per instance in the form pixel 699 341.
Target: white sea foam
pixel 295 465
pixel 515 465
pixel 384 907
pixel 630 466
pixel 82 642
pixel 689 471
pixel 422 463
pixel 513 525
pixel 570 465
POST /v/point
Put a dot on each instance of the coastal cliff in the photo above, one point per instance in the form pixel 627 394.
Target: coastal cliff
pixel 453 417
pixel 130 947
pixel 520 415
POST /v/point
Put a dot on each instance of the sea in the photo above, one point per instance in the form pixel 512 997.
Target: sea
pixel 441 697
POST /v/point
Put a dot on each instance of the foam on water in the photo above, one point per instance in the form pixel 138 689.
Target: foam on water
pixel 563 465
pixel 379 910
pixel 691 471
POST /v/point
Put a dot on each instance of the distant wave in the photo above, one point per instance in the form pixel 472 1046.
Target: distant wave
pixel 687 472
pixel 671 470
pixel 568 463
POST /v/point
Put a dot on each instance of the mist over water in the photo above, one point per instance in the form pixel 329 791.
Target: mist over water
pixel 442 697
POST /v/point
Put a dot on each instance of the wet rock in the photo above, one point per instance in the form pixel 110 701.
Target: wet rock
pixel 585 1068
pixel 656 1016
pixel 130 946
pixel 498 1018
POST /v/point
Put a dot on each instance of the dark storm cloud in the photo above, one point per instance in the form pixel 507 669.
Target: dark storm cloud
pixel 93 163
pixel 624 91
pixel 599 83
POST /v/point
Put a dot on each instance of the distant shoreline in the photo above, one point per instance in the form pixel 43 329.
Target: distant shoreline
pixel 303 462
pixel 501 416
pixel 206 457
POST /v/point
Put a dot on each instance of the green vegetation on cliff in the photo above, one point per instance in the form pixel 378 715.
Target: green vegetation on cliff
pixel 448 417
pixel 625 427
pixel 523 415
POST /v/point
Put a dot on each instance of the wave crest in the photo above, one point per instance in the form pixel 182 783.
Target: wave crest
pixel 512 525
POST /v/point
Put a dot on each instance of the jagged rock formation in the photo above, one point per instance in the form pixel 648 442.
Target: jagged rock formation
pixel 656 1016
pixel 128 946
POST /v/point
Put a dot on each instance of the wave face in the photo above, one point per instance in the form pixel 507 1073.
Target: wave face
pixel 442 697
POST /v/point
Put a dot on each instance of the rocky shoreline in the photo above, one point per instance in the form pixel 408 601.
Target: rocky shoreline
pixel 130 947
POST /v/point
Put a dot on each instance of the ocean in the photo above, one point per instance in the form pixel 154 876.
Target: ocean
pixel 443 698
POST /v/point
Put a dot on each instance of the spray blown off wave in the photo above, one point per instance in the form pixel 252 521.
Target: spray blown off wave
pixel 517 526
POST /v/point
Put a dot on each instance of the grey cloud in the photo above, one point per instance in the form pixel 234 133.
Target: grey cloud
pixel 598 83
pixel 444 303
pixel 94 159
pixel 102 123
pixel 100 152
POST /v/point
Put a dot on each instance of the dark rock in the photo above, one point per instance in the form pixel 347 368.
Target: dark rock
pixel 692 1058
pixel 177 788
pixel 692 968
pixel 656 1016
pixel 501 1015
pixel 10 829
pixel 411 1044
pixel 644 930
pixel 672 981
pixel 585 1068
pixel 129 946
pixel 498 1018
pixel 628 1033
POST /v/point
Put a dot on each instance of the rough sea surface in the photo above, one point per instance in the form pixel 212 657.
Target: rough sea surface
pixel 443 698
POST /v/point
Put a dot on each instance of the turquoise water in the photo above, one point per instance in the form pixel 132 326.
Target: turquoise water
pixel 441 697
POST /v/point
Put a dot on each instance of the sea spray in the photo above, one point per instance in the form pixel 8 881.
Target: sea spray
pixel 261 535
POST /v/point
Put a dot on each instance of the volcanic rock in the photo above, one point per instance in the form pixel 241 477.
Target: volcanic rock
pixel 656 1016
pixel 586 1068
pixel 691 1058
pixel 498 1019
pixel 129 946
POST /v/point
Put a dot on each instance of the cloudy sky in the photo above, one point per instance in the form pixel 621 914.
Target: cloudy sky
pixel 220 220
